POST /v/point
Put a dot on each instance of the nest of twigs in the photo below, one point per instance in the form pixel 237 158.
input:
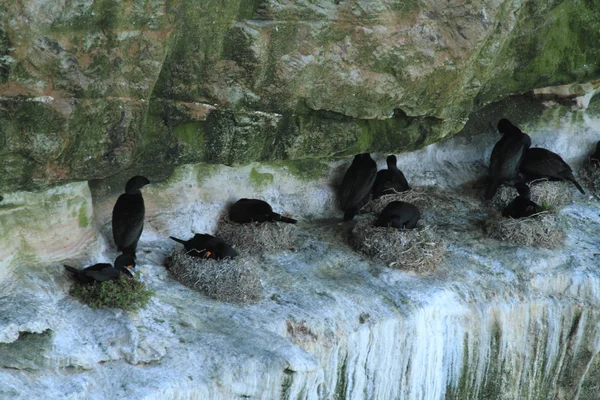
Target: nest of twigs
pixel 548 194
pixel 419 249
pixel 256 237
pixel 423 198
pixel 540 230
pixel 590 177
pixel 234 281
pixel 126 293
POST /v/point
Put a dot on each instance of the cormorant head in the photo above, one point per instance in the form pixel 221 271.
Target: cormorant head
pixel 391 161
pixel 125 263
pixel 135 184
pixel 523 190
pixel 504 126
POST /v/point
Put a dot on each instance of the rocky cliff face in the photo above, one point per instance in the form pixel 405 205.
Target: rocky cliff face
pixel 217 100
pixel 90 88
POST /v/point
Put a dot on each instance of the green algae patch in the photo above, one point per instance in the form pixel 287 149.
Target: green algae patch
pixel 259 179
pixel 306 170
pixel 82 218
pixel 125 293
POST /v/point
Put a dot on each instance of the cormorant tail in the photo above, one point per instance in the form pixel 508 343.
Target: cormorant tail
pixel 177 240
pixel 279 217
pixel 349 214
pixel 491 190
pixel 574 182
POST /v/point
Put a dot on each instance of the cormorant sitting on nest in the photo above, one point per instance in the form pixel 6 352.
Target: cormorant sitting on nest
pixel 207 246
pixel 390 179
pixel 507 155
pixel 541 163
pixel 521 206
pixel 104 272
pixel 357 184
pixel 399 214
pixel 244 211
pixel 128 216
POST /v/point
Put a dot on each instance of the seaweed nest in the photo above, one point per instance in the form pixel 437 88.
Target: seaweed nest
pixel 590 177
pixel 421 197
pixel 418 249
pixel 126 293
pixel 234 281
pixel 540 230
pixel 548 194
pixel 258 237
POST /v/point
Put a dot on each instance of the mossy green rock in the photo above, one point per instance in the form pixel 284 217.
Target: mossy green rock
pixel 88 89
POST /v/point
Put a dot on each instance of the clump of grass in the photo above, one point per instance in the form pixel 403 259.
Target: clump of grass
pixel 256 238
pixel 548 194
pixel 540 230
pixel 126 293
pixel 590 177
pixel 419 249
pixel 234 281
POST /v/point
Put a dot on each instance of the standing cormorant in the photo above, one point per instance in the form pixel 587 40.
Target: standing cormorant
pixel 542 163
pixel 390 179
pixel 103 271
pixel 507 155
pixel 521 206
pixel 207 246
pixel 595 158
pixel 128 216
pixel 357 184
pixel 399 214
pixel 244 211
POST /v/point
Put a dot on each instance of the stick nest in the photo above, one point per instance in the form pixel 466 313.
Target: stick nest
pixel 125 293
pixel 590 177
pixel 548 194
pixel 423 198
pixel 234 281
pixel 540 230
pixel 418 249
pixel 257 238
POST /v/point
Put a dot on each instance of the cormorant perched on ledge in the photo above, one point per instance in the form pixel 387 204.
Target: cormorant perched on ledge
pixel 507 155
pixel 128 216
pixel 400 215
pixel 390 179
pixel 103 272
pixel 542 163
pixel 207 246
pixel 357 184
pixel 594 159
pixel 521 206
pixel 244 211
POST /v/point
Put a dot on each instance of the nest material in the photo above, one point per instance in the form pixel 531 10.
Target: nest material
pixel 256 238
pixel 540 230
pixel 126 293
pixel 420 197
pixel 590 177
pixel 418 249
pixel 548 194
pixel 234 281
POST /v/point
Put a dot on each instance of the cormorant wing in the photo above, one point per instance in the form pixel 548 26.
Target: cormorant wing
pixel 128 220
pixel 356 186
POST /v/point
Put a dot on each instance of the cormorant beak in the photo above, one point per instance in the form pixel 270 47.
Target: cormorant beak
pixel 129 267
pixel 207 254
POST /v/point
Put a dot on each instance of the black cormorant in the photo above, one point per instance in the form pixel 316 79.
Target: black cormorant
pixel 542 163
pixel 399 214
pixel 390 179
pixel 357 184
pixel 521 206
pixel 104 271
pixel 507 155
pixel 207 246
pixel 128 216
pixel 244 211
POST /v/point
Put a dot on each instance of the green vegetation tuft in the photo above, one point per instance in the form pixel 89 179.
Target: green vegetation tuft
pixel 124 293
